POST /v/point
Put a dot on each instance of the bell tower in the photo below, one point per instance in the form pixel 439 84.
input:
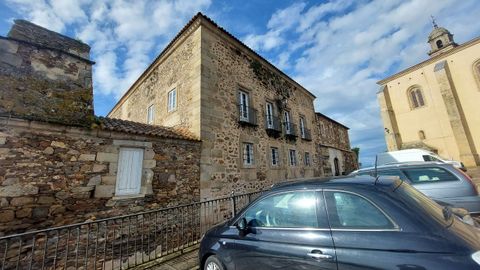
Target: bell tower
pixel 440 39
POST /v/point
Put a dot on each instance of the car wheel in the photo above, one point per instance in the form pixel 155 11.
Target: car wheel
pixel 213 263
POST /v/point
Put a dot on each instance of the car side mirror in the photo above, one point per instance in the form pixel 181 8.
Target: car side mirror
pixel 242 226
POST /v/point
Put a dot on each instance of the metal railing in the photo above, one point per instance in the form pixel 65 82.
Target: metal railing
pixel 118 242
pixel 247 115
pixel 272 123
pixel 306 134
pixel 290 129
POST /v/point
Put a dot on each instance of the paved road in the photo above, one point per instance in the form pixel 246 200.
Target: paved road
pixel 186 261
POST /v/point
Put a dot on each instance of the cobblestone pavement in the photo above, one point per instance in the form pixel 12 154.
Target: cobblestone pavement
pixel 185 261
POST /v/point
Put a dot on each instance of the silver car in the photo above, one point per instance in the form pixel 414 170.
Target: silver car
pixel 440 181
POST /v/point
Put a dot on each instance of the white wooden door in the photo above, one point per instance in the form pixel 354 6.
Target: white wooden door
pixel 129 172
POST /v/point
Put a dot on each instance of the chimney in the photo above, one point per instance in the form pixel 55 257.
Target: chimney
pixel 45 76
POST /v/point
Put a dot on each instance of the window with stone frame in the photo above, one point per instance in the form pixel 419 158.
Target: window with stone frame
pixel 274 156
pixel 292 157
pixel 172 100
pixel 248 158
pixel 415 95
pixel 307 159
pixel 151 114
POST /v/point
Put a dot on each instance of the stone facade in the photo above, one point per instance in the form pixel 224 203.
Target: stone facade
pixel 333 143
pixel 209 68
pixel 45 76
pixel 55 174
pixel 59 164
pixel 442 114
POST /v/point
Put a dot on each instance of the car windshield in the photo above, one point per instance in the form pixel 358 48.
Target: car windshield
pixel 423 202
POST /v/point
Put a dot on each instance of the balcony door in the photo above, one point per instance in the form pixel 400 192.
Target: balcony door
pixel 302 127
pixel 243 106
pixel 286 119
pixel 269 115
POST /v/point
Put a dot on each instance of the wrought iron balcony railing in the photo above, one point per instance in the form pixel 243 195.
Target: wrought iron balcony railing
pixel 247 115
pixel 290 129
pixel 272 123
pixel 306 134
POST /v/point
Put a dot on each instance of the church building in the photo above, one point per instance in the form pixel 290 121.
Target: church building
pixel 434 104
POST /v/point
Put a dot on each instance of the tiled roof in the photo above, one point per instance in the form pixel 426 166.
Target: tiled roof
pixel 114 124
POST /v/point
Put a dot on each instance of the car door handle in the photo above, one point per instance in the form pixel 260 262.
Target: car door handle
pixel 319 256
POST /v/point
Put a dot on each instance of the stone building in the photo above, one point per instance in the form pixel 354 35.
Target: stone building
pixel 61 164
pixel 434 104
pixel 257 125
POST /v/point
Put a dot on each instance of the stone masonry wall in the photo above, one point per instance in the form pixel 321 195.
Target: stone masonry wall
pixel 332 138
pixel 179 70
pixel 53 175
pixel 45 83
pixel 226 69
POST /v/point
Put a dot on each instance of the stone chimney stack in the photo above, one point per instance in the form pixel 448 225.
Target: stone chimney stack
pixel 45 76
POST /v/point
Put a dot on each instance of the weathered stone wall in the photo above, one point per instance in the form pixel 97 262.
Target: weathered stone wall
pixel 54 174
pixel 42 82
pixel 227 68
pixel 180 70
pixel 333 142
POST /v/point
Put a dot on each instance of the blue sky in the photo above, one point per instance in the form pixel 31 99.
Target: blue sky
pixel 336 49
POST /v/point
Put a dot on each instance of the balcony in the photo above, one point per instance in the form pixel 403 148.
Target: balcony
pixel 273 126
pixel 247 115
pixel 290 130
pixel 306 134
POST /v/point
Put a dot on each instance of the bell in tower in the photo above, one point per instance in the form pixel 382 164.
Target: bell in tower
pixel 440 39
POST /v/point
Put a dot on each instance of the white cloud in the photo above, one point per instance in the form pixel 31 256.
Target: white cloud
pixel 339 49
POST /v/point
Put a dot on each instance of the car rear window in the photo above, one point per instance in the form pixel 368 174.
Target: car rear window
pixel 428 175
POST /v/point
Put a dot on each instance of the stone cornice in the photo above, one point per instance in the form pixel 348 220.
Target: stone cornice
pixel 430 61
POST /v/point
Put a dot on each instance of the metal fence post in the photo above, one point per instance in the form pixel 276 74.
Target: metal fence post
pixel 234 206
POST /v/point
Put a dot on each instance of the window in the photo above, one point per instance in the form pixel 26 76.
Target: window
pixel 293 157
pixel 439 44
pixel 269 115
pixel 274 156
pixel 416 98
pixel 302 126
pixel 248 154
pixel 350 211
pixel 421 135
pixel 286 210
pixel 172 100
pixel 476 71
pixel 150 114
pixel 243 103
pixel 428 175
pixel 307 159
pixel 430 158
pixel 286 120
pixel 129 173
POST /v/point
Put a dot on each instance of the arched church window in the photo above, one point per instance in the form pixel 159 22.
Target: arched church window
pixel 439 44
pixel 476 71
pixel 416 98
pixel 421 135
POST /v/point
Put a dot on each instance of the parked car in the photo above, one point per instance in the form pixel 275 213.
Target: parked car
pixel 409 155
pixel 439 181
pixel 342 223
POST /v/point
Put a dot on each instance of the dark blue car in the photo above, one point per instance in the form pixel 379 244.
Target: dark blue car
pixel 347 223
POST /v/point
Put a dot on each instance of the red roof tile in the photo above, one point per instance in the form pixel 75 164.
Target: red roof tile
pixel 114 124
